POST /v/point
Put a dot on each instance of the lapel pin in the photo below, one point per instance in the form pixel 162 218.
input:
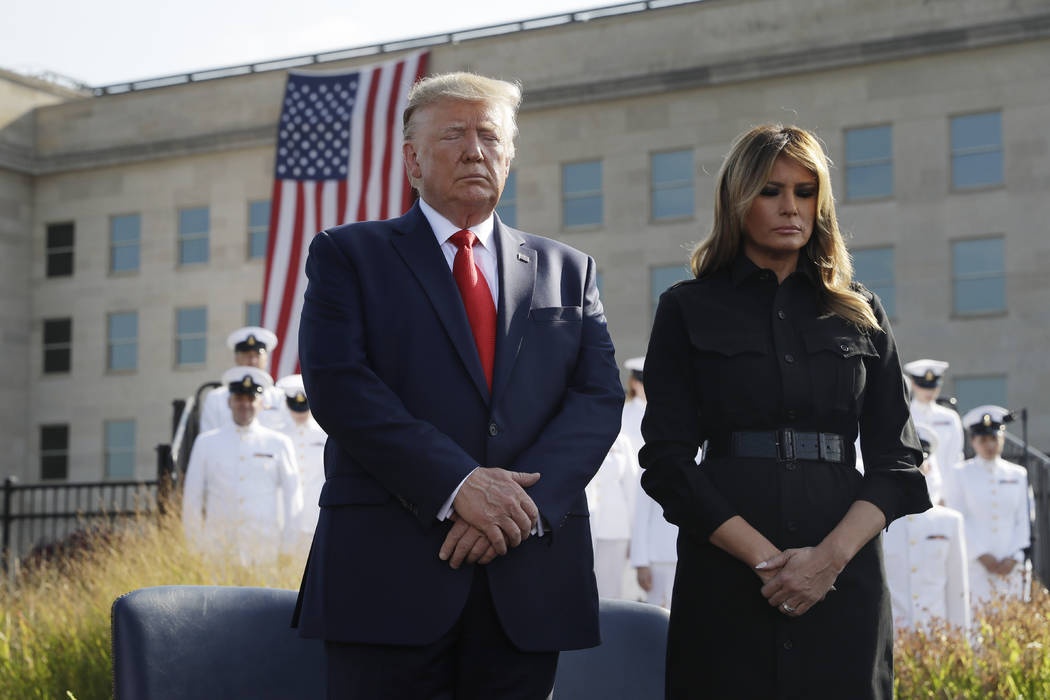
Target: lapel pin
pixel 522 257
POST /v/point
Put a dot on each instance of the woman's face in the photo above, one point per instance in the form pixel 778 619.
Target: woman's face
pixel 781 217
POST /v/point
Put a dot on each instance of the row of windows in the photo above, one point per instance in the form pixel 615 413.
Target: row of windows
pixel 122 339
pixel 978 276
pixel 118 450
pixel 976 156
pixel 125 239
pixel 976 160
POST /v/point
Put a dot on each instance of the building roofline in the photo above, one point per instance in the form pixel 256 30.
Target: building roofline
pixel 388 47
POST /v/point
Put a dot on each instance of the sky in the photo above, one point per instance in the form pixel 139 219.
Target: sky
pixel 101 42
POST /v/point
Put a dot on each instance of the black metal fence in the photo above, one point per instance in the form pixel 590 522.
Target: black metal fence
pixel 1038 466
pixel 36 516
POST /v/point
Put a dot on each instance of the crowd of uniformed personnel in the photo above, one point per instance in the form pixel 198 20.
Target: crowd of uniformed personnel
pixel 257 467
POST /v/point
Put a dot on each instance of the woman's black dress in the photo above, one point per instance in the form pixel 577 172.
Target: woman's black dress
pixel 735 351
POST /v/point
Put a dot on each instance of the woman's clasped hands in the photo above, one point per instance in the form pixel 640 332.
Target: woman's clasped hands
pixel 797 579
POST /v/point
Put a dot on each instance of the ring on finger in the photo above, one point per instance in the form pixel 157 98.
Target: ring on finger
pixel 787 608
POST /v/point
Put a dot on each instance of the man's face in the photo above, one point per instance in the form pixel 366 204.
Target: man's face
pixel 459 157
pixel 245 407
pixel 924 395
pixel 988 446
pixel 251 358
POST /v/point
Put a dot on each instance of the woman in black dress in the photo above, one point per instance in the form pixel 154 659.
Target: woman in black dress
pixel 774 358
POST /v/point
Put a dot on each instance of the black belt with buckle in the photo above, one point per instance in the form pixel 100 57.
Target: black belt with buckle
pixel 782 445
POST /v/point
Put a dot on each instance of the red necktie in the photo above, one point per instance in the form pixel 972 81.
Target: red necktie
pixel 477 299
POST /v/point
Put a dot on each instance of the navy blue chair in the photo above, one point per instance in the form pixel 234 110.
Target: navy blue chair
pixel 221 642
pixel 629 663
pixel 212 642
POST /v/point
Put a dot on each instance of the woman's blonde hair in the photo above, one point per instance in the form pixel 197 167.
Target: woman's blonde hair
pixel 743 175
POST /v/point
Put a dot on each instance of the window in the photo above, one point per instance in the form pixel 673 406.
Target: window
pixel 874 269
pixel 971 392
pixel 662 277
pixel 54 451
pixel 193 236
pixel 60 250
pixel 124 235
pixel 120 449
pixel 581 189
pixel 258 228
pixel 58 345
pixel 191 338
pixel 869 162
pixel 978 276
pixel 123 333
pixel 508 201
pixel 253 313
pixel 672 184
pixel 977 150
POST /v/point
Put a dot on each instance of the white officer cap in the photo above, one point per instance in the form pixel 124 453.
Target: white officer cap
pixel 246 380
pixel 987 420
pixel 635 364
pixel 292 386
pixel 928 438
pixel 251 338
pixel 926 373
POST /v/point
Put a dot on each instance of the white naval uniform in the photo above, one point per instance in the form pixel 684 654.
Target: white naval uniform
pixel 926 568
pixel 610 499
pixel 948 426
pixel 242 495
pixel 308 442
pixel 654 541
pixel 216 413
pixel 993 499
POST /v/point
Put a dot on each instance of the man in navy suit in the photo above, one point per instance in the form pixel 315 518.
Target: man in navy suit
pixel 465 376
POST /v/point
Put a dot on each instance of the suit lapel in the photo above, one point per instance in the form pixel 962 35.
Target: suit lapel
pixel 517 270
pixel 415 242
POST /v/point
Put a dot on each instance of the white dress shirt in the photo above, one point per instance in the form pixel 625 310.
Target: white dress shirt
pixel 993 498
pixel 308 441
pixel 948 426
pixel 611 492
pixel 242 495
pixel 926 568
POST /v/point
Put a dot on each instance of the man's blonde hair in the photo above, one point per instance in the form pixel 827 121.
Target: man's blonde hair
pixel 466 87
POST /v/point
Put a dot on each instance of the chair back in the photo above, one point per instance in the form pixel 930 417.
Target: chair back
pixel 212 642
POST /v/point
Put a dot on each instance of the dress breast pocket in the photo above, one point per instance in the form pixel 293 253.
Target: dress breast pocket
pixel 838 362
pixel 734 369
pixel 933 553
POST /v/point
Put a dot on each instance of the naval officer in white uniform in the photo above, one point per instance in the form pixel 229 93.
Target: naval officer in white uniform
pixel 242 495
pixel 610 500
pixel 308 440
pixel 927 377
pixel 654 541
pixel 251 347
pixel 925 558
pixel 993 497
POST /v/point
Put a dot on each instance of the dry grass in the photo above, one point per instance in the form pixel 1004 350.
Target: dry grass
pixel 54 624
pixel 54 621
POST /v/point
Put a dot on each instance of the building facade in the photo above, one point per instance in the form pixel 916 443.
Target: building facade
pixel 130 219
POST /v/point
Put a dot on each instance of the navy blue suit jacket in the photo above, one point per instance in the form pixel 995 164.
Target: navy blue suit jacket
pixel 393 376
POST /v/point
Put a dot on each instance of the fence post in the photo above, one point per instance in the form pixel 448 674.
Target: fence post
pixel 164 476
pixel 5 543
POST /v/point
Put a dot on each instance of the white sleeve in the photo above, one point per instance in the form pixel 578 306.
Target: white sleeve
pixel 957 586
pixel 630 478
pixel 193 498
pixel 1022 525
pixel 211 412
pixel 292 495
pixel 640 528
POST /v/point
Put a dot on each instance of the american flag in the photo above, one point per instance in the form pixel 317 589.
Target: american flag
pixel 338 161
